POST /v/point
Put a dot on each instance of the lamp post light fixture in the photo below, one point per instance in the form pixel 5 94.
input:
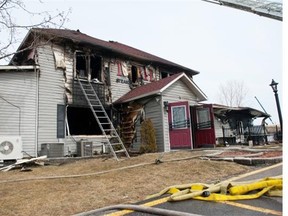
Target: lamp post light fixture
pixel 275 90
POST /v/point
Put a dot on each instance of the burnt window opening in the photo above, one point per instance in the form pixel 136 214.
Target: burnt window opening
pixel 82 121
pixel 164 75
pixel 95 67
pixel 82 72
pixel 134 73
pixel 88 66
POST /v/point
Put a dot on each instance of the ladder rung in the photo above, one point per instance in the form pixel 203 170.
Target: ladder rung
pixel 120 151
pixel 128 122
pixel 118 143
pixel 97 108
pixel 130 132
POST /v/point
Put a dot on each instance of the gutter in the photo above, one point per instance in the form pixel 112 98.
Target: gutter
pixel 36 70
pixel 22 67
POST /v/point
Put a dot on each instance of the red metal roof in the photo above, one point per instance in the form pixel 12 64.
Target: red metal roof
pixel 111 46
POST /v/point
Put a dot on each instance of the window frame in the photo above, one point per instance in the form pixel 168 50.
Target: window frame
pixel 185 117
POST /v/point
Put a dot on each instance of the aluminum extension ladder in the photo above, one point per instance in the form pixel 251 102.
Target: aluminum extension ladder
pixel 112 138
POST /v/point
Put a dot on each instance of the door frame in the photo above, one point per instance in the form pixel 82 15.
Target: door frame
pixel 203 134
pixel 183 130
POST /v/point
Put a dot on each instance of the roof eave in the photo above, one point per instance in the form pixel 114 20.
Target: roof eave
pixel 192 86
pixel 138 97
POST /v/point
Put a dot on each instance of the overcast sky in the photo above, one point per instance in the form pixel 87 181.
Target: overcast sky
pixel 222 43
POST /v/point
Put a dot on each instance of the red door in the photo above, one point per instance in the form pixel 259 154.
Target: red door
pixel 203 126
pixel 179 125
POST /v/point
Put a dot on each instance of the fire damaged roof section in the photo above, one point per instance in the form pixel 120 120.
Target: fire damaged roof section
pixel 226 111
pixel 159 86
pixel 106 47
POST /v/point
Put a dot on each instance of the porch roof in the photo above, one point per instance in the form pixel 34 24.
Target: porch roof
pixel 222 110
pixel 159 86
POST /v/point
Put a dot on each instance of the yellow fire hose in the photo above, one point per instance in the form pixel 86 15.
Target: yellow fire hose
pixel 225 191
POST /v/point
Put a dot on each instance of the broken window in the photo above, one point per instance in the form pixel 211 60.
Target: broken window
pixel 81 65
pixel 134 74
pixel 81 121
pixel 88 66
pixel 95 68
pixel 164 75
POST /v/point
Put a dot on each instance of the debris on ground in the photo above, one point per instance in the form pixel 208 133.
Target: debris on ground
pixel 24 163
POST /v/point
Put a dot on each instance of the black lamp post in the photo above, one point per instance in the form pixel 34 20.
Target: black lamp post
pixel 275 90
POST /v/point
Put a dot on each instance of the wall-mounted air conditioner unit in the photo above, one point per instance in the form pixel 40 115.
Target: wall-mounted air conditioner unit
pixel 84 148
pixel 10 148
pixel 52 150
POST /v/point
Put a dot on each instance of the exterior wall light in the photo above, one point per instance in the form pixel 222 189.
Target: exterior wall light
pixel 165 103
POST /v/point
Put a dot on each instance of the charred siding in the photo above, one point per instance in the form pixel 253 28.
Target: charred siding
pixel 152 111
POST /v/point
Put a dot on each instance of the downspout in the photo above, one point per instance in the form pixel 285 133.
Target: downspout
pixel 37 110
pixel 163 123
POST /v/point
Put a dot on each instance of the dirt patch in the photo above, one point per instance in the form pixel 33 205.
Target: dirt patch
pixel 22 194
pixel 271 154
pixel 262 154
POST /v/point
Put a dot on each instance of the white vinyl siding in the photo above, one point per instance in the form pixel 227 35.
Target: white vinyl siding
pixel 51 93
pixel 155 111
pixel 118 89
pixel 175 93
pixel 19 88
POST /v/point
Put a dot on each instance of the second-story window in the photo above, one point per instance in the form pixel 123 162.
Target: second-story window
pixel 88 66
pixel 134 74
pixel 164 75
pixel 81 67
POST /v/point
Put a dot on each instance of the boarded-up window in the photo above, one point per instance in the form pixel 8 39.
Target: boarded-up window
pixel 60 121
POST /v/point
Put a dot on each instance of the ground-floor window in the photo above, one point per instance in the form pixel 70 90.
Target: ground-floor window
pixel 81 121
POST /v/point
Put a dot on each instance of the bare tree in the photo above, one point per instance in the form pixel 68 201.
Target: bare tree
pixel 233 93
pixel 11 25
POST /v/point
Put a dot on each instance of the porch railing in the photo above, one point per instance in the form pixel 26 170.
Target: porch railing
pixel 80 100
pixel 179 124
